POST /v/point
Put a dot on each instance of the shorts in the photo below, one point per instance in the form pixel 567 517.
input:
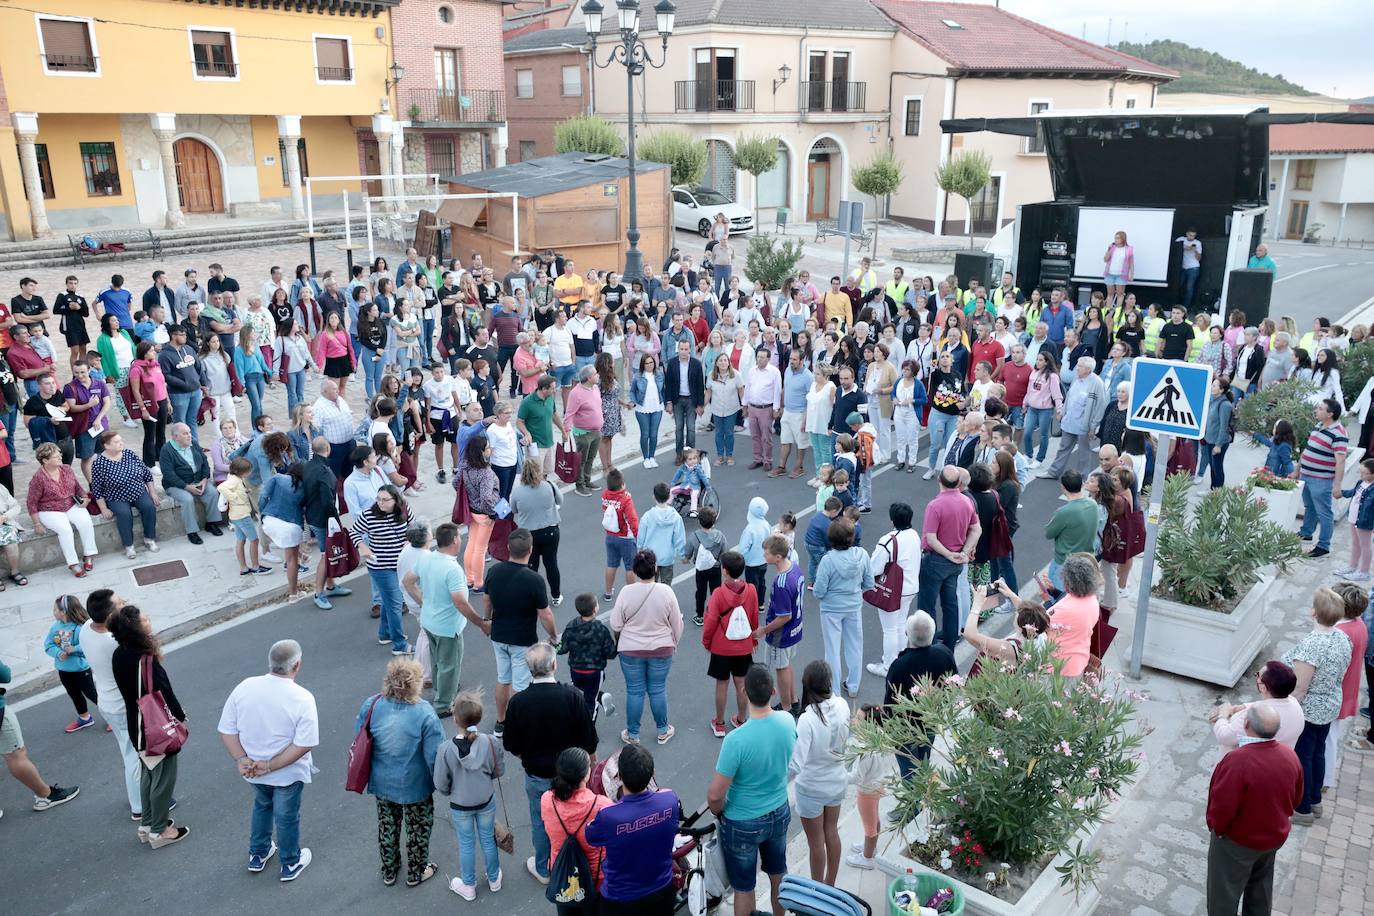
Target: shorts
pixel 565 375
pixel 775 657
pixel 744 842
pixel 1016 417
pixel 792 422
pixel 809 806
pixel 724 667
pixel 281 532
pixel 439 437
pixel 321 533
pixel 11 737
pixel 620 551
pixel 244 529
pixel 85 446
pixel 511 667
pixel 1114 279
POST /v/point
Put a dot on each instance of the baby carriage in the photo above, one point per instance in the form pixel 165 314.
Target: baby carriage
pixel 682 502
pixel 805 897
pixel 698 873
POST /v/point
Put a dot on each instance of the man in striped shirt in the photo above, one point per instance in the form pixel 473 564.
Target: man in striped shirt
pixel 1322 464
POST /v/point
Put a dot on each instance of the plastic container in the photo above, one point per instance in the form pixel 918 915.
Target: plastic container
pixel 926 884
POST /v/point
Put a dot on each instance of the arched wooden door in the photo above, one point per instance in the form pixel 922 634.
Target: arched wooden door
pixel 199 184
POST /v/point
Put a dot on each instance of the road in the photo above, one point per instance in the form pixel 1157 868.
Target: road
pixel 86 852
pixel 1317 280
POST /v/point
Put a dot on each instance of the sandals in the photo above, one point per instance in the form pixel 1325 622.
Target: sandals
pixel 19 580
pixel 77 570
pixel 428 873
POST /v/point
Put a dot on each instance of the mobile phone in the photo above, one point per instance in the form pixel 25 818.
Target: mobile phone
pixel 991 590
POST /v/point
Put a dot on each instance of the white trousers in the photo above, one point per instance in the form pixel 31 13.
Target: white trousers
pixel 62 523
pixel 908 423
pixel 120 729
pixel 894 629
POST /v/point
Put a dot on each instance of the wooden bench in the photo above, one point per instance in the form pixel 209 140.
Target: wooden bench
pixel 828 227
pixel 114 242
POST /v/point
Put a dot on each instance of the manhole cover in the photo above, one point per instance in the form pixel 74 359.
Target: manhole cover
pixel 160 572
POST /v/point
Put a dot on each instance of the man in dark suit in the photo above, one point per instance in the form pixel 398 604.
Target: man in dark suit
pixel 160 294
pixel 320 504
pixel 684 393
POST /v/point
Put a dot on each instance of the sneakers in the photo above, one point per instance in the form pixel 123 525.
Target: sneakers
pixel 1358 576
pixel 407 649
pixel 338 591
pixel 699 620
pixel 530 867
pixel 496 885
pixel 1316 553
pixel 56 796
pixel 269 556
pixel 667 736
pixel 627 738
pixel 1317 810
pixel 718 728
pixel 441 476
pixel 151 545
pixel 292 872
pixel 1302 820
pixel 859 860
pixel 877 668
pixel 258 863
pixel 130 553
pixel 322 602
pixel 606 702
pixel 466 891
pixel 1344 571
pixel 607 596
pixel 557 600
pixel 929 475
pixel 499 730
pixel 79 724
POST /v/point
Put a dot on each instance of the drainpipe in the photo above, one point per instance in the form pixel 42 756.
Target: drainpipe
pixel 946 146
pixel 591 80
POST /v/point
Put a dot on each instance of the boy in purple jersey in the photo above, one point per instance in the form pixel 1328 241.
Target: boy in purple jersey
pixel 782 628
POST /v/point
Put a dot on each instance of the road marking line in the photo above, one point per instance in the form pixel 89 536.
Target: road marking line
pixel 1307 271
pixel 1348 319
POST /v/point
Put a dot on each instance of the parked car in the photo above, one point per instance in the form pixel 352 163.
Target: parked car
pixel 696 208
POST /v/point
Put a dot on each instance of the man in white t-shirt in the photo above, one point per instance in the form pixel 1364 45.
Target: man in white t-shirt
pixel 269 726
pixel 560 340
pixel 98 646
pixel 445 413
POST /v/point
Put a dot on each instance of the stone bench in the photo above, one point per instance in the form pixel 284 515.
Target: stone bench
pixel 42 551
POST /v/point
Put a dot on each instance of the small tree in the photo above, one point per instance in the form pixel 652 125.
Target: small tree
pixel 1357 367
pixel 588 134
pixel 879 177
pixel 1286 400
pixel 756 155
pixel 770 263
pixel 684 154
pixel 965 174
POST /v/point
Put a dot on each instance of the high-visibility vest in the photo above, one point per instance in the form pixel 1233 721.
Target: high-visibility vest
pixel 1152 329
pixel 999 294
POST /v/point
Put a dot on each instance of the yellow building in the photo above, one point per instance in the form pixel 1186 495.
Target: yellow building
pixel 152 109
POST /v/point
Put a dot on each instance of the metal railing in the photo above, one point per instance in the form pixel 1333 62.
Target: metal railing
pixel 714 95
pixel 335 74
pixel 217 68
pixel 833 96
pixel 472 106
pixel 79 62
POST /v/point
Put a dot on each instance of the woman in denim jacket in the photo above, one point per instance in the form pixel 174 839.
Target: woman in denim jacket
pixel 648 403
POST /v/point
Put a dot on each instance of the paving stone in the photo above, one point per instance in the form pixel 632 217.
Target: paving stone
pixel 1144 884
pixel 1186 900
pixel 1190 868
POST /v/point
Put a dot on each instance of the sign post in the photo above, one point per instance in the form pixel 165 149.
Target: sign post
pixel 1168 398
pixel 851 223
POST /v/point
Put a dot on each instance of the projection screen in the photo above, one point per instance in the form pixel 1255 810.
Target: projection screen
pixel 1149 232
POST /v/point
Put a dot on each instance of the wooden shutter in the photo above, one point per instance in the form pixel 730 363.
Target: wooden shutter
pixel 213 53
pixel 331 53
pixel 67 44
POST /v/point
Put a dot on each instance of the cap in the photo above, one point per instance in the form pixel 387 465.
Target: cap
pixel 854 419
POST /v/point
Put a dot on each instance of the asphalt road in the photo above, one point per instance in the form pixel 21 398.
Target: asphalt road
pixel 84 857
pixel 1318 280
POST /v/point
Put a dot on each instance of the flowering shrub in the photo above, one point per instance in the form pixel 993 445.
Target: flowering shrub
pixel 1265 479
pixel 1027 763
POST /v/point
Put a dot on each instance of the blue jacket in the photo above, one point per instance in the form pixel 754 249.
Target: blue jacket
pixel 405 741
pixel 641 384
pixel 1279 461
pixel 1364 516
pixel 841 579
pixel 300 442
pixel 281 500
pixel 661 530
pixel 815 538
pixel 689 477
pixel 76 661
pixel 756 530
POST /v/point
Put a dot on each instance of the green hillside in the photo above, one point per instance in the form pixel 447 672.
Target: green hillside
pixel 1207 71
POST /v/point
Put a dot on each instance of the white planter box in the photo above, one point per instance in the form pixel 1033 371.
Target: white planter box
pixel 1282 507
pixel 1207 645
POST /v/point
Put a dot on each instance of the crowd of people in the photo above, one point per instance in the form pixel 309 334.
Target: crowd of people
pixel 519 380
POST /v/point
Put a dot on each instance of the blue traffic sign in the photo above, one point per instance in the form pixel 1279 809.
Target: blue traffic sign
pixel 1170 396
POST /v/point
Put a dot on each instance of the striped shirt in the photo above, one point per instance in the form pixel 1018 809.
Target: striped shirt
pixel 383 536
pixel 1319 458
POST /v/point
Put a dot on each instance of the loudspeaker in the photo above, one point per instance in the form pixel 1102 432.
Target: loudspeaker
pixel 970 264
pixel 1250 290
pixel 1054 272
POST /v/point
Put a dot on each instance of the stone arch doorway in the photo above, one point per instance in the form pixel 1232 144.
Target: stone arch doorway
pixel 200 185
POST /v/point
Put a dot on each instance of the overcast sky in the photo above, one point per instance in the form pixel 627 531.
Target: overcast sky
pixel 1321 45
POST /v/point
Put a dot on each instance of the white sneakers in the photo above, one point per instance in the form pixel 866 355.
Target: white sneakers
pixel 859 860
pixel 466 891
pixel 877 668
pixel 530 867
pixel 651 462
pixel 928 474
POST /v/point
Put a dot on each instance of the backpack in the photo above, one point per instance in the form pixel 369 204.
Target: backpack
pixel 737 627
pixel 864 450
pixel 610 518
pixel 705 558
pixel 571 881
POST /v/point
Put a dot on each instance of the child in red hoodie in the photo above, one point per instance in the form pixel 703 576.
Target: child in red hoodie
pixel 730 658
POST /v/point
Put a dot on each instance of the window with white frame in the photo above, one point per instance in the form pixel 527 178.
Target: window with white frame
pixel 1036 144
pixel 333 59
pixel 911 118
pixel 572 80
pixel 212 52
pixel 524 84
pixel 68 46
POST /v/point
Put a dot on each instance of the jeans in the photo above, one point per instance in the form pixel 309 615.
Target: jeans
pixel 472 828
pixel 427 335
pixel 1005 569
pixel 844 632
pixel 124 518
pixel 745 841
pixel 1317 510
pixel 371 363
pixel 938 595
pixel 295 390
pixel 186 501
pixel 1190 275
pixel 254 385
pixel 406 357
pixel 941 425
pixel 535 787
pixel 10 418
pixel 1041 419
pixel 387 585
pixel 645 676
pixel 648 431
pixel 725 435
pixel 1311 751
pixel 813 563
pixel 505 479
pixel 822 450
pixel 546 547
pixel 721 275
pixel 1217 462
pixel 684 424
pixel 279 807
pixel 185 407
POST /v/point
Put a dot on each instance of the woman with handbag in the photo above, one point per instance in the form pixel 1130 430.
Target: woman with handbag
pixel 406 737
pixel 145 687
pixel 535 503
pixel 899 548
pixel 647 624
pixel 379 533
pixel 481 489
pixel 468 769
pixel 149 395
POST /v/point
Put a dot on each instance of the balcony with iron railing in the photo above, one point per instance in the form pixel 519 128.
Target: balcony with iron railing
pixel 226 69
pixel 714 95
pixel 334 74
pixel 831 97
pixel 473 106
pixel 76 63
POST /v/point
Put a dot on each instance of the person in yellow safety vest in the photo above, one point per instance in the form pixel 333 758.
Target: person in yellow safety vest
pixel 1154 320
pixel 897 288
pixel 1202 332
pixel 866 276
pixel 1034 305
pixel 1008 288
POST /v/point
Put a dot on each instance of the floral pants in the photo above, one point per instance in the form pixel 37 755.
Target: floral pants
pixel 418 820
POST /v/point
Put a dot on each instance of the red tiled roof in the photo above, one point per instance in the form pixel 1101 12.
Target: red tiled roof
pixel 991 39
pixel 1321 138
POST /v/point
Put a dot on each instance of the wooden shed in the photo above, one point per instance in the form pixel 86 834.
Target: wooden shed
pixel 577 204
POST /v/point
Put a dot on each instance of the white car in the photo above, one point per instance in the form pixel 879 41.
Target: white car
pixel 696 208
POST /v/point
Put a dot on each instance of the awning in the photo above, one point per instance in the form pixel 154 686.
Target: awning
pixel 463 212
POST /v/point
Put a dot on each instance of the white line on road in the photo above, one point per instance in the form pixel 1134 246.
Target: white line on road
pixel 1349 318
pixel 1307 271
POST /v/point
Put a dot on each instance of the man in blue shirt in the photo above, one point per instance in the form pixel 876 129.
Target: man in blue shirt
pixel 637 833
pixel 438 583
pixel 1058 316
pixel 796 382
pixel 116 300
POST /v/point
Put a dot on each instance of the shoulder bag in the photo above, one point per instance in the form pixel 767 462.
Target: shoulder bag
pixel 163 733
pixel 360 754
pixel 505 837
pixel 886 593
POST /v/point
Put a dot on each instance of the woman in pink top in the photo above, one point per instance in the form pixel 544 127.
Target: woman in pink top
pixel 149 396
pixel 1118 268
pixel 1275 682
pixel 567 809
pixel 1073 617
pixel 647 623
pixel 333 350
pixel 1356 600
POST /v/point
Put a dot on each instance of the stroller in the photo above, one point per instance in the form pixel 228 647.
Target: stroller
pixel 698 875
pixel 805 897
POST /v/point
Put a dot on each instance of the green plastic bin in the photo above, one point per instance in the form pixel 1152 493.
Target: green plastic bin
pixel 926 884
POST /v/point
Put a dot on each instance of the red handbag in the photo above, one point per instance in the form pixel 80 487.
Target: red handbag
pixel 461 514
pixel 340 556
pixel 567 463
pixel 163 733
pixel 886 593
pixel 360 755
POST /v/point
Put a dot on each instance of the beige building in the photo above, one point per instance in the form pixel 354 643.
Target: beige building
pixel 1321 179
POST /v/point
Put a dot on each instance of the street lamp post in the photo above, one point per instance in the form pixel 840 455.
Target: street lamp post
pixel 634 55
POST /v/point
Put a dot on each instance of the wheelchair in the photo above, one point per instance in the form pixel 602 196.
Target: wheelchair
pixel 682 502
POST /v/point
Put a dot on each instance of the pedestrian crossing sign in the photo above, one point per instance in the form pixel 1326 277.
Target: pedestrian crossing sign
pixel 1169 396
